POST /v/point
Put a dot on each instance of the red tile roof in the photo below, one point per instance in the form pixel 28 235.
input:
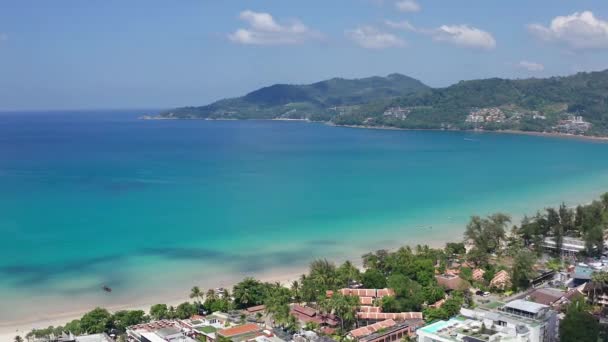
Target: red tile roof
pixel 239 330
pixel 257 308
pixel 374 293
pixel 478 274
pixel 370 329
pixel 451 282
pixel 366 308
pixel 379 316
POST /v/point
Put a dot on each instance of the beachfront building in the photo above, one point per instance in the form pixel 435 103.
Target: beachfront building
pixel 516 321
pixel 570 245
pixel 384 331
pixel 160 331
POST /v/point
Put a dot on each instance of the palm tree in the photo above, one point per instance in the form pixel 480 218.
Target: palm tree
pixel 211 295
pixel 295 288
pixel 196 293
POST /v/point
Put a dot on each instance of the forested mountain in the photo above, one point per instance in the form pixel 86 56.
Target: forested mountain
pixel 318 101
pixel 576 104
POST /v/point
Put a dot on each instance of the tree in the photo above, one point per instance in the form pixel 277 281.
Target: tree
pixel 211 295
pixel 295 289
pixel 373 279
pixel 159 311
pixel 185 310
pixel 578 325
pixel 346 273
pixel 487 233
pixel 18 338
pixel 197 294
pixel 95 321
pixel 452 248
pixel 248 292
pixel 523 270
pixel 120 320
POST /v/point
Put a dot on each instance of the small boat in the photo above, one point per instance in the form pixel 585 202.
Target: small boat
pixel 106 288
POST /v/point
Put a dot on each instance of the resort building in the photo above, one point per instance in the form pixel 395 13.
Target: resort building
pixel 516 321
pixel 501 280
pixel 451 282
pixel 478 274
pixel 307 314
pixel 240 333
pixel 385 331
pixel 159 331
pixel 366 296
pixel 570 245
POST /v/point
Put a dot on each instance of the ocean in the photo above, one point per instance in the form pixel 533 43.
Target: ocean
pixel 152 207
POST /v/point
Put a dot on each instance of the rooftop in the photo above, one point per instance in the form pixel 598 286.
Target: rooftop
pixel 239 330
pixel 527 306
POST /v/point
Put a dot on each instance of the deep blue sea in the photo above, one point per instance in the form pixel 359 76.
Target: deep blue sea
pixel 153 207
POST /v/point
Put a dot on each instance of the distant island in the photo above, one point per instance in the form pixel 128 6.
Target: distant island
pixel 576 105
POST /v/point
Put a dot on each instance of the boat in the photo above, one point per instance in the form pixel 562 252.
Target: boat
pixel 106 288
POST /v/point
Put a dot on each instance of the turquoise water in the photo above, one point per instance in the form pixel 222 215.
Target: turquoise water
pixel 151 208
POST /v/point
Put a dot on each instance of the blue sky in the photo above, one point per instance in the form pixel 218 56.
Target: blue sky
pixel 74 54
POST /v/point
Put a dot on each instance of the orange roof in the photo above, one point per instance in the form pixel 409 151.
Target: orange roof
pixel 367 308
pixel 239 330
pixel 478 274
pixel 500 279
pixel 256 308
pixel 370 329
pixel 374 293
pixel 400 316
pixel 366 300
pixel 304 310
pixel 451 282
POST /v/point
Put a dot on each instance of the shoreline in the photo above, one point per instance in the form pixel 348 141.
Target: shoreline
pixel 391 128
pixel 9 329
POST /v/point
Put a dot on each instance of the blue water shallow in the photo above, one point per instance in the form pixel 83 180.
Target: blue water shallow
pixel 92 198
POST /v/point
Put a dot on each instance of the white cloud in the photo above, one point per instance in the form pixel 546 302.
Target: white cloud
pixel 531 66
pixel 577 31
pixel 407 6
pixel 371 38
pixel 400 25
pixel 464 36
pixel 265 30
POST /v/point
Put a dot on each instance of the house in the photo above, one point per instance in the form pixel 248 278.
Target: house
pixel 501 280
pixel 451 282
pixel 582 274
pixel 241 332
pixel 381 316
pixel 478 274
pixel 387 330
pixel 307 314
pixel 366 296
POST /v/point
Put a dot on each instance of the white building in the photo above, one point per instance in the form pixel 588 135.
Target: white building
pixel 516 321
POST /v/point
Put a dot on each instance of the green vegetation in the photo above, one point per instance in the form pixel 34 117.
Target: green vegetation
pixel 579 325
pixel 536 105
pixel 318 101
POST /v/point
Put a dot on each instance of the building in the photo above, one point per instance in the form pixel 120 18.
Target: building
pixel 239 333
pixel 384 331
pixel 307 314
pixel 478 274
pixel 516 321
pixel 570 245
pixel 451 282
pixel 160 331
pixel 501 280
pixel 381 316
pixel 366 296
pixel 582 274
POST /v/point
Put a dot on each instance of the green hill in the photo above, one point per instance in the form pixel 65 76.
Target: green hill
pixel 575 104
pixel 318 101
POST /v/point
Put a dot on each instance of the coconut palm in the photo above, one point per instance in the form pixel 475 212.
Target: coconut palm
pixel 295 289
pixel 211 295
pixel 196 293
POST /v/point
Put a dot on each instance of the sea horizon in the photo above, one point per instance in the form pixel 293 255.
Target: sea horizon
pixel 152 208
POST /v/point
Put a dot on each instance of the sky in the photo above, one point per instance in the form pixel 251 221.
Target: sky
pixel 104 54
